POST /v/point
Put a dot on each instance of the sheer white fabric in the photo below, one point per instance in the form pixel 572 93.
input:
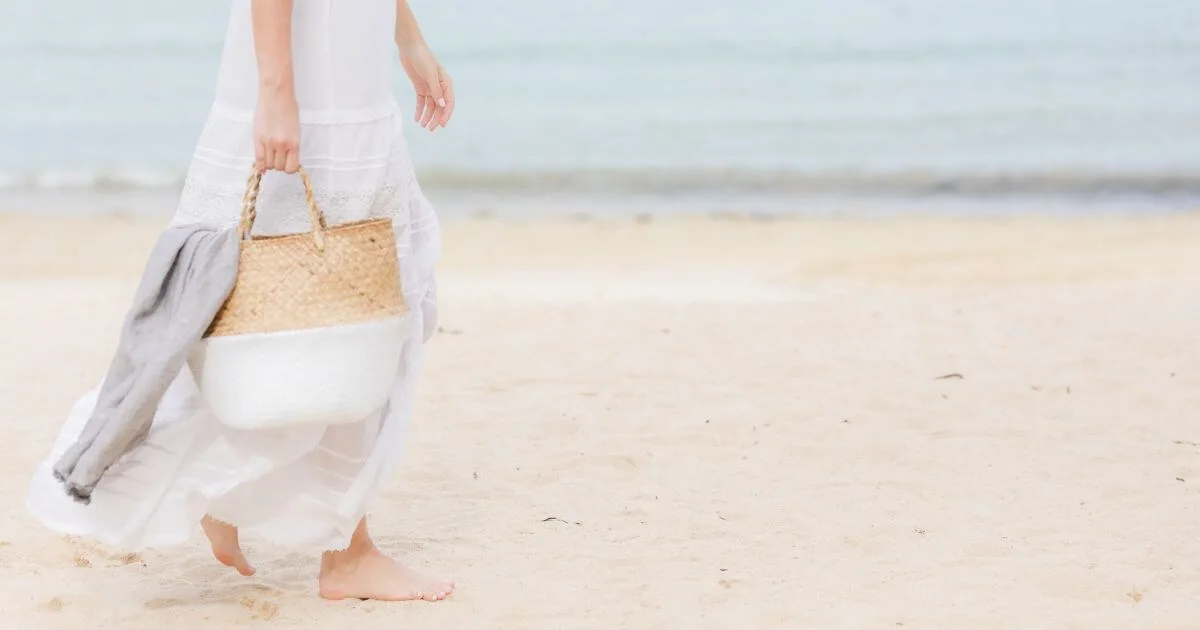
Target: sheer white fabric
pixel 306 487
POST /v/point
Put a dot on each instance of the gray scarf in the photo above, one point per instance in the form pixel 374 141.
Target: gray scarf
pixel 189 275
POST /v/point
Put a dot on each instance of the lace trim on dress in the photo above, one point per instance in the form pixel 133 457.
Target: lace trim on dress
pixel 203 202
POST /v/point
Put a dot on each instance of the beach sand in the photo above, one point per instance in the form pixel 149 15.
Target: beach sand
pixel 705 423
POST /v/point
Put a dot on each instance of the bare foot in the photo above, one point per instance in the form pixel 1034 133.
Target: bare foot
pixel 225 545
pixel 369 574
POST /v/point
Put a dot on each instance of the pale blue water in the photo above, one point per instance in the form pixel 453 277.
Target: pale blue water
pixel 771 97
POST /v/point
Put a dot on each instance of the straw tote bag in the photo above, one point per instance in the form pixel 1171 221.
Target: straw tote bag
pixel 313 330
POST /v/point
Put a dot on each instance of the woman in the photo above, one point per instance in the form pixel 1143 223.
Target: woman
pixel 309 84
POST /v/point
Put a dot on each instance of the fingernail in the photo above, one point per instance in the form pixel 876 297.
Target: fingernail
pixel 441 102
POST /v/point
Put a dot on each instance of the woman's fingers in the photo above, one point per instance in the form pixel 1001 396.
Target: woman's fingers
pixel 420 113
pixel 291 162
pixel 448 111
pixel 435 86
pixel 287 155
pixel 278 155
pixel 431 110
pixel 435 98
pixel 260 156
pixel 276 132
pixel 280 159
pixel 447 85
pixel 419 109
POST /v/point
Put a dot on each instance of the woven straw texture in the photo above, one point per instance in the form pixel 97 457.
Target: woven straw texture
pixel 342 275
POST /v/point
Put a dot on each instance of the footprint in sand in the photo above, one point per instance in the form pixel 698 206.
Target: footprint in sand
pixel 125 559
pixel 55 604
pixel 258 603
pixel 163 602
pixel 258 599
pixel 83 552
pixel 260 609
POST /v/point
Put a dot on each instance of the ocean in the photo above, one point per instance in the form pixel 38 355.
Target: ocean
pixel 779 104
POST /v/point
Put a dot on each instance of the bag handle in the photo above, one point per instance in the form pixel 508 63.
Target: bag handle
pixel 250 211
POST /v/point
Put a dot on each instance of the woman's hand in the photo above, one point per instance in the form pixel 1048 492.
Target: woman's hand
pixel 431 82
pixel 277 131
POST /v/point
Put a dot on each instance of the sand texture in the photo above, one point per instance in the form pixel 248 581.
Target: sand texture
pixel 705 423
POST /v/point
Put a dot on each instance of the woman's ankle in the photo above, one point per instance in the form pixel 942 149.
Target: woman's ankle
pixel 360 546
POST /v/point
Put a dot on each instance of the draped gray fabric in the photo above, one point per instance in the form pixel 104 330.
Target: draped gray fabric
pixel 187 278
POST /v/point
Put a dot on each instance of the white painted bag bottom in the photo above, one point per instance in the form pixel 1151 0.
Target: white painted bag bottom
pixel 333 375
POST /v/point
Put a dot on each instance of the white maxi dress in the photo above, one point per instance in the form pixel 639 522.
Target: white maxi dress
pixel 305 487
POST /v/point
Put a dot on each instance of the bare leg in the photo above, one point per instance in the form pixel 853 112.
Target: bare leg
pixel 362 571
pixel 225 545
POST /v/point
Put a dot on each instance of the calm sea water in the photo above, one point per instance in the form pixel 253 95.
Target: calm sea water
pixel 768 97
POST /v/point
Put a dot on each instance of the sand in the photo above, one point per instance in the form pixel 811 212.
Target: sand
pixel 703 423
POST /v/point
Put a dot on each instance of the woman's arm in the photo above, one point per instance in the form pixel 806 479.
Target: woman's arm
pixel 277 117
pixel 408 32
pixel 431 82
